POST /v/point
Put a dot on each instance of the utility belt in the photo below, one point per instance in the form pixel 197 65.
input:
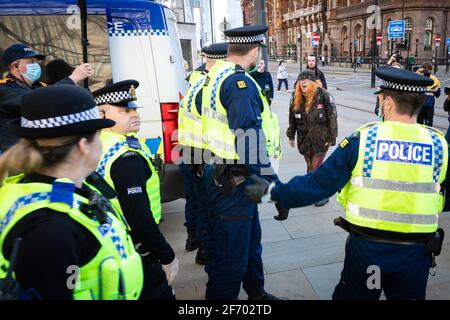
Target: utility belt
pixel 432 245
pixel 228 177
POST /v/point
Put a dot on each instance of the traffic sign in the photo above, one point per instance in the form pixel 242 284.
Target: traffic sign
pixel 447 42
pixel 379 37
pixel 396 29
pixel 316 37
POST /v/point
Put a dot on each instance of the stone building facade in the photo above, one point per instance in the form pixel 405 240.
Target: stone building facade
pixel 346 26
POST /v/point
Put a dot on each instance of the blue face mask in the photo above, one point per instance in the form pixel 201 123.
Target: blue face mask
pixel 33 72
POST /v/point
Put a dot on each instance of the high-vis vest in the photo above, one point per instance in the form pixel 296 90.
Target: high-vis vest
pixel 114 146
pixel 116 270
pixel 395 185
pixel 219 138
pixel 190 132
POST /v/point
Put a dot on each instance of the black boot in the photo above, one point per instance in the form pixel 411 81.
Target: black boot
pixel 201 257
pixel 264 296
pixel 191 242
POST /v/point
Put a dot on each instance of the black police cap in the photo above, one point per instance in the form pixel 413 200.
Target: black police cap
pixel 122 93
pixel 19 51
pixel 402 80
pixel 58 111
pixel 216 50
pixel 247 34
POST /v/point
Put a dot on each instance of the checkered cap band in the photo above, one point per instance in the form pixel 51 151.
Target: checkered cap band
pixel 113 97
pixel 91 114
pixel 248 39
pixel 401 87
pixel 215 56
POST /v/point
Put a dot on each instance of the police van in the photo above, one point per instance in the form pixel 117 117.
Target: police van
pixel 128 39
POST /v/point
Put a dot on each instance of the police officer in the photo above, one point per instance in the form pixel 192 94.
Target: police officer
pixel 232 100
pixel 391 176
pixel 190 138
pixel 24 73
pixel 67 230
pixel 126 164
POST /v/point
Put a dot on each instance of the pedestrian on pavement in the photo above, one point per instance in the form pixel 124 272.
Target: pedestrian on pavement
pixel 411 62
pixel 264 79
pixel 127 166
pixel 282 76
pixel 391 177
pixel 23 77
pixel 322 58
pixel 313 118
pixel 234 234
pixel 394 61
pixel 191 139
pixel 447 109
pixel 312 65
pixel 426 114
pixel 72 244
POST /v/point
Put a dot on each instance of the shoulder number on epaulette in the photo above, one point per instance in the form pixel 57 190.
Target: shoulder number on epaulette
pixel 241 84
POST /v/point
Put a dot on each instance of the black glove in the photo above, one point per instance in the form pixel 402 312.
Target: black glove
pixel 256 191
pixel 282 212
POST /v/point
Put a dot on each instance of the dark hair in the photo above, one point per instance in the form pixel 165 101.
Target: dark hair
pixel 408 103
pixel 280 62
pixel 427 66
pixel 57 70
pixel 241 49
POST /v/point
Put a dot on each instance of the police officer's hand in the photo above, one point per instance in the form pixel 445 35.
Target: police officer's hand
pixel 292 143
pixel 171 270
pixel 256 191
pixel 81 72
pixel 283 213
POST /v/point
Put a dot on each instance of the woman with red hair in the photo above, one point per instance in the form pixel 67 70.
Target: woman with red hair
pixel 313 118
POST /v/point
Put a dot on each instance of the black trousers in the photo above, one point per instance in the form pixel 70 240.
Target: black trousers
pixel 155 282
pixel 280 82
pixel 426 116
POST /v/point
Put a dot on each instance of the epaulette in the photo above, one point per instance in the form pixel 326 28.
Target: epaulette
pixel 239 69
pixel 5 80
pixel 129 154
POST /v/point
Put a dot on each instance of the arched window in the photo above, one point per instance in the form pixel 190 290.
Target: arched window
pixel 359 39
pixel 344 41
pixel 428 40
pixel 408 33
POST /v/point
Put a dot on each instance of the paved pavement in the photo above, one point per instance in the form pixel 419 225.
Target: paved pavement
pixel 303 256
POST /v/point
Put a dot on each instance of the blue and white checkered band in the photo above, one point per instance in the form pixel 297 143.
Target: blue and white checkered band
pixel 91 114
pixel 133 33
pixel 215 56
pixel 401 87
pixel 113 97
pixel 247 39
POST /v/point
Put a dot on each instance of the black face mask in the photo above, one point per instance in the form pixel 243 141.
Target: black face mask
pixel 427 74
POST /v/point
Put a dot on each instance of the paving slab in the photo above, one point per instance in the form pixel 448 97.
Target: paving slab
pixel 324 278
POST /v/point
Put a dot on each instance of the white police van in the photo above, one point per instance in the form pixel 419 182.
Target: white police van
pixel 128 39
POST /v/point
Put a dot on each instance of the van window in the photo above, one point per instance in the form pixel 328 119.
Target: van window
pixel 59 37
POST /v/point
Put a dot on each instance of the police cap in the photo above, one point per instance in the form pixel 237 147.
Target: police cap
pixel 58 111
pixel 121 93
pixel 216 50
pixel 247 34
pixel 402 80
pixel 19 51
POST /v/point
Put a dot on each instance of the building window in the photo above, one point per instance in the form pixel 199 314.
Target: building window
pixel 344 42
pixel 359 39
pixel 408 24
pixel 428 34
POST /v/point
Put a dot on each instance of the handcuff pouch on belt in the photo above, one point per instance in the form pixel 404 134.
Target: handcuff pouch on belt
pixel 228 177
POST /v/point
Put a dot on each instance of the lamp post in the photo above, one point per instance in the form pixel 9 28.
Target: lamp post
pixel 299 39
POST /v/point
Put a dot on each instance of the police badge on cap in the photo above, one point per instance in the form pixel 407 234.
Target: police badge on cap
pixel 121 94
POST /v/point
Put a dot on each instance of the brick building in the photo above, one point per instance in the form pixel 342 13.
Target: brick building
pixel 345 26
